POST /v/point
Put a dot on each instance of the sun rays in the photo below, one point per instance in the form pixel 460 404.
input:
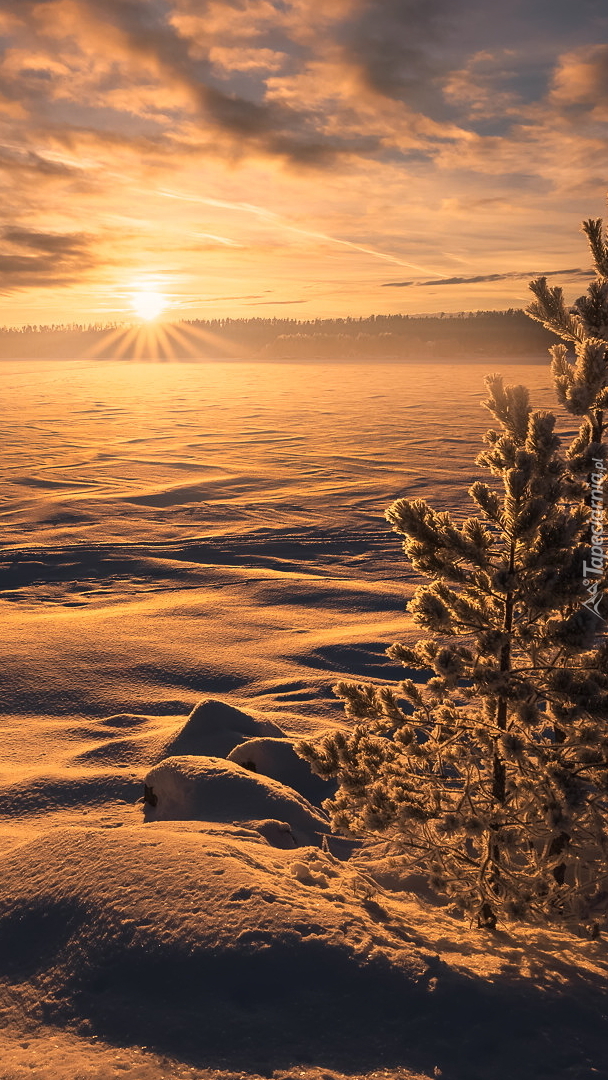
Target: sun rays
pixel 165 341
pixel 152 298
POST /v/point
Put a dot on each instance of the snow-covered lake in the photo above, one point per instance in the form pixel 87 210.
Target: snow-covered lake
pixel 122 452
pixel 155 514
pixel 175 532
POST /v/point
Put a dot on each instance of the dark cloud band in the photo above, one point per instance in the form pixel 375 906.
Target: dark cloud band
pixel 512 276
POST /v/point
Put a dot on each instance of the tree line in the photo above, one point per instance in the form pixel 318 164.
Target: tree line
pixel 443 335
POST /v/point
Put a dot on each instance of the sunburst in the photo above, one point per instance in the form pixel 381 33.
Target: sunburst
pixel 148 304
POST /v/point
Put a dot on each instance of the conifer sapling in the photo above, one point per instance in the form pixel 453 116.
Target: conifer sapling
pixel 492 777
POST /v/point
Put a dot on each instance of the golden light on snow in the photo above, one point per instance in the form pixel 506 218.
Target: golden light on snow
pixel 148 304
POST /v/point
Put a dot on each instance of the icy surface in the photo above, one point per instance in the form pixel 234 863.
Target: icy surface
pixel 193 554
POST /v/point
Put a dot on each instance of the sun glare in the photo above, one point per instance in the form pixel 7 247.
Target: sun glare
pixel 148 305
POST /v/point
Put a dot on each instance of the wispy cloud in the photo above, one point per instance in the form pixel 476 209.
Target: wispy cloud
pixel 478 278
pixel 256 303
pixel 270 215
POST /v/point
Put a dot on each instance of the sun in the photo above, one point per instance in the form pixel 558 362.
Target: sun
pixel 147 304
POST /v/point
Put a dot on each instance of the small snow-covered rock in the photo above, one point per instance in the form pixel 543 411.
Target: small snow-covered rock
pixel 214 728
pixel 278 759
pixel 277 833
pixel 215 789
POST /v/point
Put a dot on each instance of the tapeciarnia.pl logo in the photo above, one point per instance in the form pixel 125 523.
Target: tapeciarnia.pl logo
pixel 596 566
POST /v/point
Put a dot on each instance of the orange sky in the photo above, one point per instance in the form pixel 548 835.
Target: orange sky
pixel 296 157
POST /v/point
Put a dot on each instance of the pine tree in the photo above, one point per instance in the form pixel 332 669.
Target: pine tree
pixel 580 382
pixel 492 777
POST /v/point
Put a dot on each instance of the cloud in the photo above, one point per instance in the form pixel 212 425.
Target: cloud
pixel 19 162
pixel 285 81
pixel 256 303
pixel 139 37
pixel 309 87
pixel 477 278
pixel 391 41
pixel 50 243
pixel 580 84
pixel 492 85
pixel 227 59
pixel 29 258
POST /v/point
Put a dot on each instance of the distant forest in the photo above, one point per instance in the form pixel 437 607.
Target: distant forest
pixel 392 337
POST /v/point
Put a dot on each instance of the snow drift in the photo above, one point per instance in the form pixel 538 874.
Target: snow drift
pixel 214 789
pixel 206 942
pixel 277 758
pixel 213 729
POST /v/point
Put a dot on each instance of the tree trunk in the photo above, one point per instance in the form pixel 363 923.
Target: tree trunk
pixel 487 916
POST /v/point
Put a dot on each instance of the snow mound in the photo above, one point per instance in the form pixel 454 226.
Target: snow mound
pixel 199 942
pixel 278 759
pixel 215 789
pixel 213 729
pixel 207 944
pixel 276 833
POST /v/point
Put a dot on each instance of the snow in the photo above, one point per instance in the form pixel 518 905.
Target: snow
pixel 193 554
pixel 208 944
pixel 214 729
pixel 211 789
pixel 277 758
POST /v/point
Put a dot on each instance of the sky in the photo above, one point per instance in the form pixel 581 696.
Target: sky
pixel 301 158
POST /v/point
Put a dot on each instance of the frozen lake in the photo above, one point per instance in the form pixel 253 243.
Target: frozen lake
pixel 111 453
pixel 174 529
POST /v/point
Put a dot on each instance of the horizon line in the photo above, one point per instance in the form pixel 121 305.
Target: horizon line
pixel 137 324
